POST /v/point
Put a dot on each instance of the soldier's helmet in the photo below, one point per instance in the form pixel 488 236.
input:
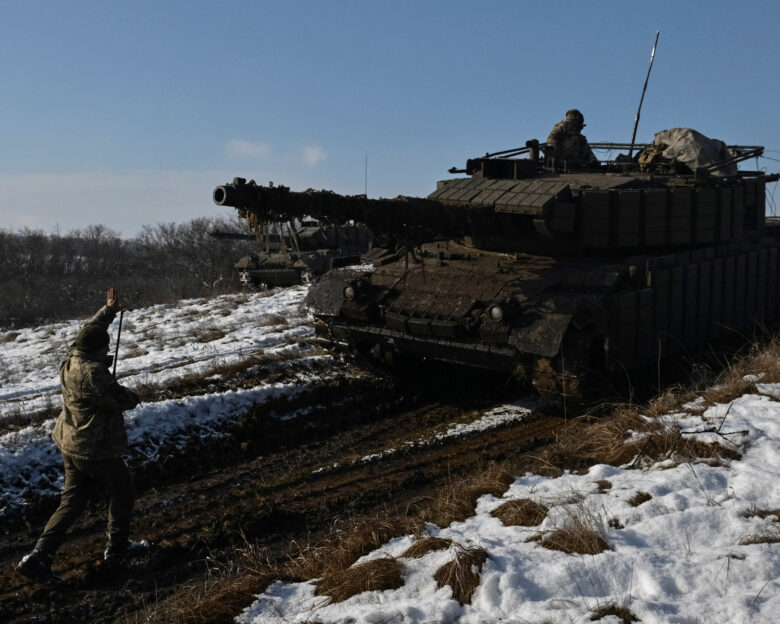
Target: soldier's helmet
pixel 575 117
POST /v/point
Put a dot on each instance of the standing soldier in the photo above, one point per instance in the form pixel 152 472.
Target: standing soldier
pixel 567 148
pixel 90 433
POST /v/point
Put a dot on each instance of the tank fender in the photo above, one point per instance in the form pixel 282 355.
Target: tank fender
pixel 542 337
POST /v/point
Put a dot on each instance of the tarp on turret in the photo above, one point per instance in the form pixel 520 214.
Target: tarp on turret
pixel 694 149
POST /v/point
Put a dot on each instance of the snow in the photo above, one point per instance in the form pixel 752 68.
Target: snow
pixel 159 344
pixel 679 557
pixel 676 558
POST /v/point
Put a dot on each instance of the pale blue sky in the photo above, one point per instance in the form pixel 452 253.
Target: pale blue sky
pixel 127 113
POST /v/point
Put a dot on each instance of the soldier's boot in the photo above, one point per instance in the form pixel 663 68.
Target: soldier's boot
pixel 119 550
pixel 37 564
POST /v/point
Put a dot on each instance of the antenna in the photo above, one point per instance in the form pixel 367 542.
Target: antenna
pixel 365 179
pixel 642 99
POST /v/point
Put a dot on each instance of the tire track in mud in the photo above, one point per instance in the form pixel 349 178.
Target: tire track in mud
pixel 272 482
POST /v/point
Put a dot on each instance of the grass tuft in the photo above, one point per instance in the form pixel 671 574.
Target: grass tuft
pixel 208 333
pixel 456 500
pixel 10 336
pixel 670 400
pixel 639 498
pixel 763 513
pixel 623 613
pixel 341 550
pixel 576 537
pixel 217 601
pixel 521 512
pixel 424 545
pixel 272 319
pixel 765 535
pixel 604 442
pixel 375 575
pixel 462 573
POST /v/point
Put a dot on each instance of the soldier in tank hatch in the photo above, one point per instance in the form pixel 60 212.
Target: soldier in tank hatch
pixel 567 148
pixel 90 433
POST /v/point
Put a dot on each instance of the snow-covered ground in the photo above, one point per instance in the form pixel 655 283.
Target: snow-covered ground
pixel 679 557
pixel 158 344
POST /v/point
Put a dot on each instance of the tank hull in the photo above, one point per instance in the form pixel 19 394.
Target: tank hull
pixel 555 320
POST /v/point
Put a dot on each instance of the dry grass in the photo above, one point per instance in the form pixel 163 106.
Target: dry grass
pixel 10 336
pixel 424 545
pixel 604 442
pixel 339 551
pixel 671 400
pixel 462 573
pixel 228 590
pixel 217 601
pixel 577 536
pixel 133 353
pixel 225 591
pixel 374 575
pixel 271 320
pixel 241 369
pixel 622 613
pixel 208 334
pixel 639 498
pixel 762 359
pixel 193 384
pixel 763 513
pixel 18 417
pixel 765 535
pixel 604 485
pixel 521 512
pixel 457 499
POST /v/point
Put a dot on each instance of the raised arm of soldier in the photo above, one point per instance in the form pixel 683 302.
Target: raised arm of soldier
pixel 112 299
pixel 90 434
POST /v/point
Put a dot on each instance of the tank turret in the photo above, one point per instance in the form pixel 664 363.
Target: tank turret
pixel 559 276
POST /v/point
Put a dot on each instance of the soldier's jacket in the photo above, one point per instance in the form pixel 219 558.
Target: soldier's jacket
pixel 570 145
pixel 91 425
pixel 560 130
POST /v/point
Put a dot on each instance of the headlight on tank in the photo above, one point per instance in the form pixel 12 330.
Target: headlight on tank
pixel 496 313
pixel 349 293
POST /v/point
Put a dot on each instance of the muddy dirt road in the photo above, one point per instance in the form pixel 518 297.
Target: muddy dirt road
pixel 274 482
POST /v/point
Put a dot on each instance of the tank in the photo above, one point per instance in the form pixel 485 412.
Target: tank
pixel 573 280
pixel 307 252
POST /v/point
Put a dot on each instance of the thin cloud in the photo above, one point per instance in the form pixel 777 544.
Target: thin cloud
pixel 313 154
pixel 247 149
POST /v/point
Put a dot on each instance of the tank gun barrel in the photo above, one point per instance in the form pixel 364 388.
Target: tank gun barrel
pixel 409 220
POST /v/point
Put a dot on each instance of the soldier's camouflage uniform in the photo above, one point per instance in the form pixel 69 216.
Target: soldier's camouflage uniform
pixel 90 433
pixel 567 147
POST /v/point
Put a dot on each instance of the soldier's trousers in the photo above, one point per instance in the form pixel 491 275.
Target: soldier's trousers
pixel 83 479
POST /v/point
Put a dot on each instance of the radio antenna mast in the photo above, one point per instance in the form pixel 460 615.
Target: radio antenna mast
pixel 642 99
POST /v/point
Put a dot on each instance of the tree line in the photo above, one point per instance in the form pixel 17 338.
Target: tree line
pixel 48 277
